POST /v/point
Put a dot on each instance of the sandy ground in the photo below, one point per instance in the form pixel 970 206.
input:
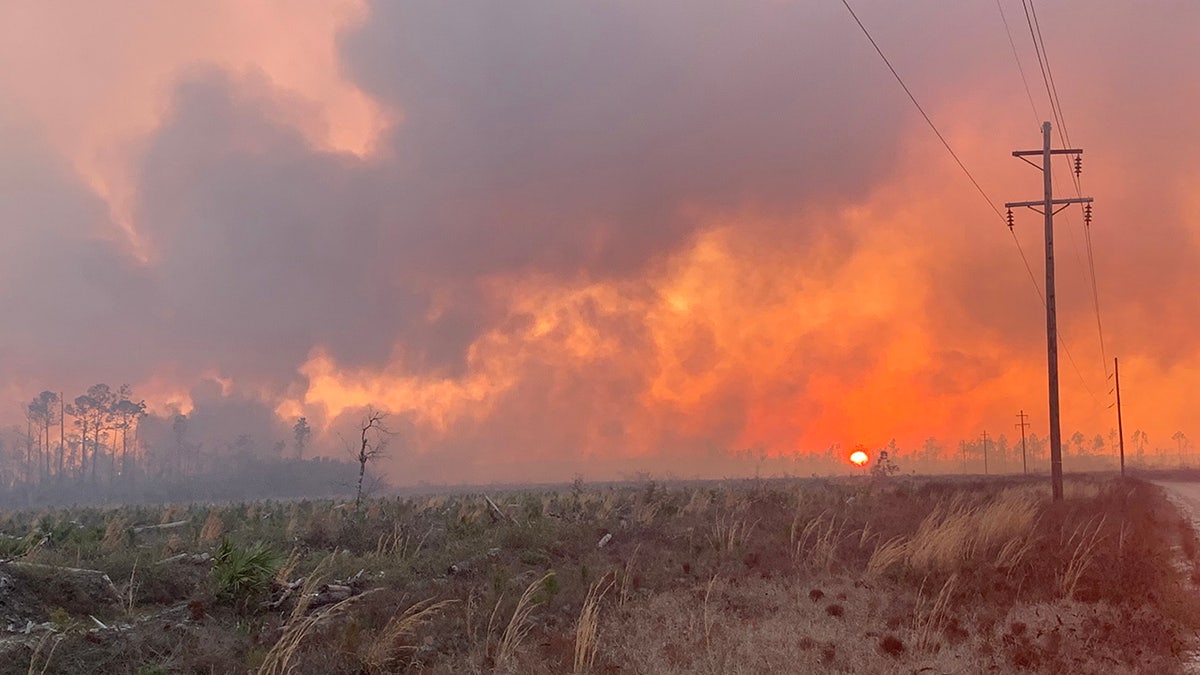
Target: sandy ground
pixel 1186 496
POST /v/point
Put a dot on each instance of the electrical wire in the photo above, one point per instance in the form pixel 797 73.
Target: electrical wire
pixel 991 204
pixel 1035 30
pixel 1091 275
pixel 1062 342
pixel 921 110
pixel 1012 43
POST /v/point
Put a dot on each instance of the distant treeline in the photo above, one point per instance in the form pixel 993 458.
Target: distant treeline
pixel 103 447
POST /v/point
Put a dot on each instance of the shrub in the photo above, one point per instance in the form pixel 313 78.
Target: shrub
pixel 240 573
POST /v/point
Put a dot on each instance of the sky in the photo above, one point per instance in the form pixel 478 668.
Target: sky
pixel 552 238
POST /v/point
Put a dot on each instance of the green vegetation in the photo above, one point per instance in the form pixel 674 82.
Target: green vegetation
pixel 878 574
pixel 242 573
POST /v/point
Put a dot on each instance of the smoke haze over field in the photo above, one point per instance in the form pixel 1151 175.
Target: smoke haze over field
pixel 552 238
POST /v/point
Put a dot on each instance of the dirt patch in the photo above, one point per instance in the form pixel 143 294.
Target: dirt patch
pixel 19 604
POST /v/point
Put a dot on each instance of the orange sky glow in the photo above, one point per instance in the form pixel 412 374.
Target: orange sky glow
pixel 565 239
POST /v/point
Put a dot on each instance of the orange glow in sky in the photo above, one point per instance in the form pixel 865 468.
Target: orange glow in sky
pixel 532 246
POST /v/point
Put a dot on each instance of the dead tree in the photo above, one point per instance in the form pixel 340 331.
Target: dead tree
pixel 373 441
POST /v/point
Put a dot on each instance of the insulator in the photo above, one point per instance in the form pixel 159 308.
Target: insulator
pixel 1087 214
pixel 1009 218
pixel 1078 165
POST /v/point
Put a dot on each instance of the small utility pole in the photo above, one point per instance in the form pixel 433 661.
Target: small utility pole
pixel 1046 206
pixel 1120 427
pixel 985 442
pixel 962 445
pixel 1023 425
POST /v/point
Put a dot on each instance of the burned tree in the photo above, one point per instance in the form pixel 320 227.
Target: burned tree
pixel 373 440
pixel 302 433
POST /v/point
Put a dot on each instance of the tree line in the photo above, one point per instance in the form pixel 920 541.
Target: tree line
pixel 101 444
pixel 104 444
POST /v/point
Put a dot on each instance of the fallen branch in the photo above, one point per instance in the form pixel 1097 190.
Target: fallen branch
pixel 497 512
pixel 285 592
pixel 165 526
pixel 70 570
pixel 196 558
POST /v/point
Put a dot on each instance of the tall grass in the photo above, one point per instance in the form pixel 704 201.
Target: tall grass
pixel 816 544
pixel 520 624
pixel 730 533
pixel 1083 542
pixel 389 643
pixel 928 623
pixel 55 639
pixel 954 533
pixel 587 627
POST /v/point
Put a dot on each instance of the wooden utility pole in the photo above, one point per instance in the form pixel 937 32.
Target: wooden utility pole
pixel 1046 206
pixel 985 441
pixel 1023 425
pixel 1120 427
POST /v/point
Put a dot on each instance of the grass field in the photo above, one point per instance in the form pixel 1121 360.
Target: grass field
pixel 766 576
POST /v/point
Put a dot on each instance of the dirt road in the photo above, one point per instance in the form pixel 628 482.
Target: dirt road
pixel 1186 496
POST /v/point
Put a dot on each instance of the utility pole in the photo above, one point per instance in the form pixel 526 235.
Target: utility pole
pixel 1046 206
pixel 1023 425
pixel 962 445
pixel 985 441
pixel 1120 427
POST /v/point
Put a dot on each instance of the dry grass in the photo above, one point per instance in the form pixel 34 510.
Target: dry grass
pixel 809 576
pixel 928 623
pixel 1083 542
pixel 55 640
pixel 626 577
pixel 284 574
pixel 645 511
pixel 730 533
pixel 213 528
pixel 390 642
pixel 116 534
pixel 297 626
pixel 520 624
pixel 586 629
pixel 816 544
pixel 301 625
pixel 959 531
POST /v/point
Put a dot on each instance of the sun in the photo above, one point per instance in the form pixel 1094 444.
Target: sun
pixel 858 458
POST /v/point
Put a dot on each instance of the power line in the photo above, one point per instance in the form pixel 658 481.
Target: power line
pixel 928 121
pixel 1039 46
pixel 1035 30
pixel 1020 68
pixel 1064 134
pixel 1047 208
pixel 1087 234
pixel 978 187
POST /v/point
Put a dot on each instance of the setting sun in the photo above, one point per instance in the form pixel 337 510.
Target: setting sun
pixel 858 458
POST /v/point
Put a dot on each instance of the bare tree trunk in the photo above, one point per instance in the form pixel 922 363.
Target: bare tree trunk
pixel 62 432
pixel 362 469
pixel 83 453
pixel 28 452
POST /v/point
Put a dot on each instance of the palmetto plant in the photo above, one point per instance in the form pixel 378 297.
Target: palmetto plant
pixel 243 572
